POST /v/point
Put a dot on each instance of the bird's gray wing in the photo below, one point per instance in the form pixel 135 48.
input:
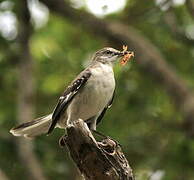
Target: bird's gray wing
pixel 104 110
pixel 67 97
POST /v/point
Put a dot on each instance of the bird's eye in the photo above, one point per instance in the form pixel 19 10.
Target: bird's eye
pixel 108 52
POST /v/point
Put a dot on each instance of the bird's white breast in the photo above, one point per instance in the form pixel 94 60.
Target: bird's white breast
pixel 95 95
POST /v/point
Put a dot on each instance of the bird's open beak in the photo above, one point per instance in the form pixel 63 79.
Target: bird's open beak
pixel 119 54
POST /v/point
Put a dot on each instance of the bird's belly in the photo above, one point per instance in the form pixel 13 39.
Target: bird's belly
pixel 92 99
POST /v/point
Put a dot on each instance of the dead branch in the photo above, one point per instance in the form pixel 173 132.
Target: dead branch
pixel 96 160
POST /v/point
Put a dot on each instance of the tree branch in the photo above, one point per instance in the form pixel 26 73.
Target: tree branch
pixel 147 55
pixel 26 90
pixel 96 160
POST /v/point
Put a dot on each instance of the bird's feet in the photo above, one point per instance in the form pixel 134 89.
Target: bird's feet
pixel 105 137
pixel 62 140
pixel 100 134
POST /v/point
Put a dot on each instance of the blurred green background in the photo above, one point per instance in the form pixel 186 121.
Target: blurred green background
pixel 45 44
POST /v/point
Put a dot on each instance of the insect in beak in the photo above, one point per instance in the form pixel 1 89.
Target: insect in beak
pixel 126 55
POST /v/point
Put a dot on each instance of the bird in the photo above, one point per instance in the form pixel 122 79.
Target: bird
pixel 87 97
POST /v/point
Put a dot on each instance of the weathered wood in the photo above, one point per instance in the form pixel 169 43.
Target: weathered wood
pixel 96 160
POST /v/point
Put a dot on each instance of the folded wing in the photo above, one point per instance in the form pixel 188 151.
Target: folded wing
pixel 67 97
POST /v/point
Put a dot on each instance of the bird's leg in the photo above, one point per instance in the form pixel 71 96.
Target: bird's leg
pixel 100 134
pixel 104 136
pixel 92 126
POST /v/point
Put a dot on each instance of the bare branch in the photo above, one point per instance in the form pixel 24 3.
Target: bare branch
pixel 96 160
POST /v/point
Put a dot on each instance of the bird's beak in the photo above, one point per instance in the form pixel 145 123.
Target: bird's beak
pixel 119 53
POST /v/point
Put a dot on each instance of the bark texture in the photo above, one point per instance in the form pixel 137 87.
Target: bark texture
pixel 96 160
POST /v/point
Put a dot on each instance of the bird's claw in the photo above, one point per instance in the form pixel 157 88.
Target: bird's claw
pixel 62 140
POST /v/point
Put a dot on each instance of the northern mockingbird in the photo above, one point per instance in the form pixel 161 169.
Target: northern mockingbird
pixel 88 97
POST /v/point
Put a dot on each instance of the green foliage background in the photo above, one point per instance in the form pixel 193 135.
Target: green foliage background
pixel 143 117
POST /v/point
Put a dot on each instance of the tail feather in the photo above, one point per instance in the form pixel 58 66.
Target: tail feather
pixel 33 128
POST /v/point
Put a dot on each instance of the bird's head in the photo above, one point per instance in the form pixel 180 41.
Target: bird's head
pixel 108 55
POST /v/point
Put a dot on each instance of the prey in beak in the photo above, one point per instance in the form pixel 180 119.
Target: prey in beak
pixel 126 55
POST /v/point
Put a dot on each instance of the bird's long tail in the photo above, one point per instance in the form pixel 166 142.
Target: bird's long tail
pixel 33 128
